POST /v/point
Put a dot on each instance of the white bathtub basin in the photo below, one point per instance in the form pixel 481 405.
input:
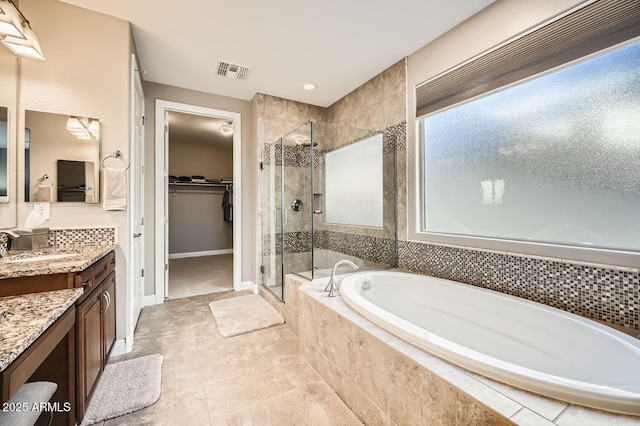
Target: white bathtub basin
pixel 526 344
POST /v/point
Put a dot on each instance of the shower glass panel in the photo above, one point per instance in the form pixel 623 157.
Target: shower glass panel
pixel 328 193
pixel 286 214
pixel 272 218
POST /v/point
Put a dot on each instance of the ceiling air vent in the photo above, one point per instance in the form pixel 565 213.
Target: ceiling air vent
pixel 233 71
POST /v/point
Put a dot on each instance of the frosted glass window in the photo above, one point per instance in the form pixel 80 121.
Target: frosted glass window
pixel 553 159
pixel 353 184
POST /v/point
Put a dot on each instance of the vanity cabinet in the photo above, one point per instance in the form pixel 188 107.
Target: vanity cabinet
pixel 95 319
pixel 95 328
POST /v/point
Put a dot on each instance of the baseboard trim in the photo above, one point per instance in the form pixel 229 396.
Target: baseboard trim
pixel 149 300
pixel 200 253
pixel 247 285
pixel 122 346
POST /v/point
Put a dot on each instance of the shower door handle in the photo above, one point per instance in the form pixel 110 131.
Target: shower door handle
pixel 283 215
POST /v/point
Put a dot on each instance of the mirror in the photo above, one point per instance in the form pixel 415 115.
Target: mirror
pixel 61 158
pixel 4 155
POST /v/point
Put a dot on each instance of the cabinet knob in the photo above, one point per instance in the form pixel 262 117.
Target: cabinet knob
pixel 113 261
pixel 87 283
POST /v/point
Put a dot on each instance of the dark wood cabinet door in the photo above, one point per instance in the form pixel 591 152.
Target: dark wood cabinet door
pixel 109 315
pixel 90 355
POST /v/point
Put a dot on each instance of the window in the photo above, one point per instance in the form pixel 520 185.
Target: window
pixel 534 146
pixel 553 159
pixel 354 184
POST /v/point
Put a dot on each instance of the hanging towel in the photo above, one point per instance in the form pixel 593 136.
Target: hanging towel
pixel 227 206
pixel 45 193
pixel 115 189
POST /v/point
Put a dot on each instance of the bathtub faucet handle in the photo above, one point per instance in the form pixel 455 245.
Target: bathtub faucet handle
pixel 332 286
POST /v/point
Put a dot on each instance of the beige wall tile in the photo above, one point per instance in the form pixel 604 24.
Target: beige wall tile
pixel 365 409
pixel 328 371
pixel 470 412
pixel 394 79
pixel 395 109
pixel 369 359
pixel 275 108
pixel 419 397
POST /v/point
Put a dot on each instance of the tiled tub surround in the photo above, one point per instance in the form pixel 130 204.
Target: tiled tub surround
pixel 27 317
pixel 385 380
pixel 603 293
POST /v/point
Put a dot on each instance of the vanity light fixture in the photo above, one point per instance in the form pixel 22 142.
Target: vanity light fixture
pixel 77 128
pixel 10 21
pixel 94 128
pixel 24 43
pixel 227 128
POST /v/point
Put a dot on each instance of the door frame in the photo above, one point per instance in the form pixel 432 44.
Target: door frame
pixel 162 189
pixel 135 299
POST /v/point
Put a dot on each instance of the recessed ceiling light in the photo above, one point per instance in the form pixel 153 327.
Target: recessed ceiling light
pixel 309 86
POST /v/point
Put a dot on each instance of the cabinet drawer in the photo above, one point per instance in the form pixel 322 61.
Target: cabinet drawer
pixel 103 267
pixel 87 281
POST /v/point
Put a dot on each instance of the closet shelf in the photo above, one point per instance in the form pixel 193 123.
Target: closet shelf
pixel 205 184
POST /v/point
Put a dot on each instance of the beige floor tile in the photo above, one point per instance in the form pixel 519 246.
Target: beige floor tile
pixel 208 379
pixel 314 404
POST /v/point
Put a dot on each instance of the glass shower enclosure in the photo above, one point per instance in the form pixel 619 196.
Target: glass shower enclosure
pixel 328 193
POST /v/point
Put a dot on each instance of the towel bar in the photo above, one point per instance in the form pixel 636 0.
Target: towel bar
pixel 116 154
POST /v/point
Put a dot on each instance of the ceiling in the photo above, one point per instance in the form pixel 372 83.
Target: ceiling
pixel 198 130
pixel 336 44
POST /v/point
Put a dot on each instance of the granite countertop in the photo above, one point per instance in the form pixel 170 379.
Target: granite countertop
pixel 27 317
pixel 61 260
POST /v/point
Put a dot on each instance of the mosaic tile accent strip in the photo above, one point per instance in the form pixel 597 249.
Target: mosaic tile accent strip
pixel 394 140
pixel 294 242
pixel 399 132
pixel 82 237
pixel 374 249
pixel 4 242
pixel 600 293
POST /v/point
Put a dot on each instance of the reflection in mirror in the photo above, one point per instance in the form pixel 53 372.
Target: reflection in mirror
pixel 4 156
pixel 61 157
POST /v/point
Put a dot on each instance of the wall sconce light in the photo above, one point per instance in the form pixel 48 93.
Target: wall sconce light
pixel 83 131
pixel 227 128
pixel 16 32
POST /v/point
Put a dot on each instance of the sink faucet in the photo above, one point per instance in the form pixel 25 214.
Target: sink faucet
pixel 332 286
pixel 11 234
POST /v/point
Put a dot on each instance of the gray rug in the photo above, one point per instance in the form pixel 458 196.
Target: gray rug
pixel 239 315
pixel 125 387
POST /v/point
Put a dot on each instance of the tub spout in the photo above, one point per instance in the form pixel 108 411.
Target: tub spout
pixel 332 286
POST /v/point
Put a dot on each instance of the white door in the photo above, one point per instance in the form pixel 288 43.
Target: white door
pixel 165 194
pixel 137 203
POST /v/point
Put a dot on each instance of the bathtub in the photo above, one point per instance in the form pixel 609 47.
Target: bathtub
pixel 522 343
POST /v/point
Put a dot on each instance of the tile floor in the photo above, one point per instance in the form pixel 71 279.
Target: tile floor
pixel 194 276
pixel 257 378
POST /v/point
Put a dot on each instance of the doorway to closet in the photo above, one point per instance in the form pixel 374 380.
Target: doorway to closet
pixel 200 204
pixel 197 208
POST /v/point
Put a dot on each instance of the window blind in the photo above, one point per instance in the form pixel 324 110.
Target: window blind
pixel 598 25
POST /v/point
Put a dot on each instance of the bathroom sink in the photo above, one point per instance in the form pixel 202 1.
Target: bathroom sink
pixel 40 257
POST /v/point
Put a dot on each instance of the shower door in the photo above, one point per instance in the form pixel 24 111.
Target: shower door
pixel 272 218
pixel 287 225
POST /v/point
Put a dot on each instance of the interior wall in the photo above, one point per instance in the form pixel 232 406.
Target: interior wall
pixel 249 169
pixel 86 73
pixel 196 220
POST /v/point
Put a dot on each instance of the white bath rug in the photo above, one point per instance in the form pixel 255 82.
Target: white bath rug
pixel 125 387
pixel 239 315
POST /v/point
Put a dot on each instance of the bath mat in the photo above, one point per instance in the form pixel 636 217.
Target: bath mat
pixel 239 315
pixel 125 387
